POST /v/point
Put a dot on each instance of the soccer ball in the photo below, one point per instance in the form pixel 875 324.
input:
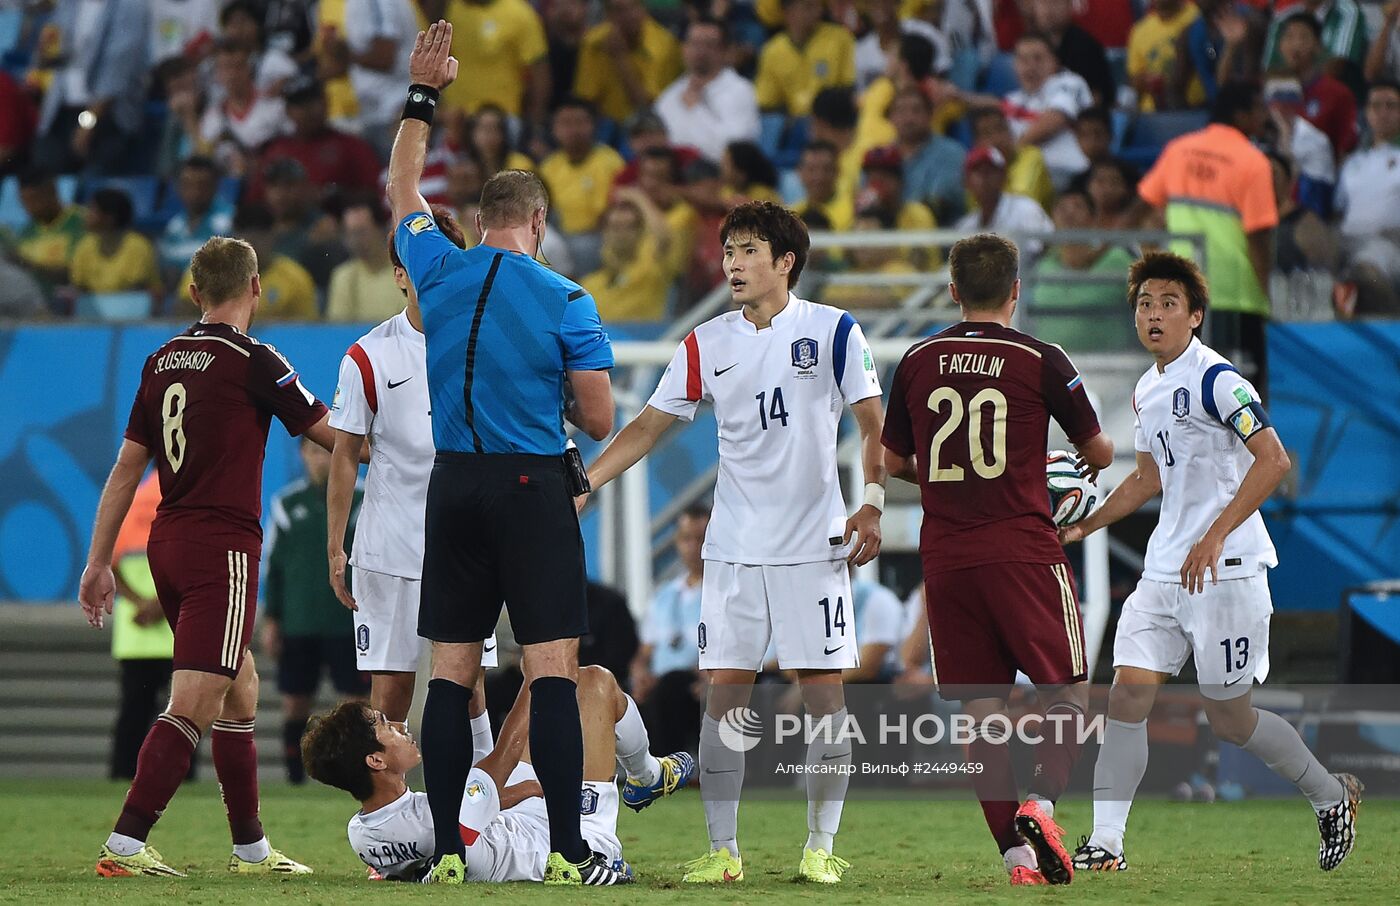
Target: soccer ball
pixel 1072 496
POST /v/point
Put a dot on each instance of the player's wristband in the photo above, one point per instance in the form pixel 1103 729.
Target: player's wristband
pixel 875 496
pixel 421 103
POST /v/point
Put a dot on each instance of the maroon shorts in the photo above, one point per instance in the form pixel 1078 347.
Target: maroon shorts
pixel 987 622
pixel 210 598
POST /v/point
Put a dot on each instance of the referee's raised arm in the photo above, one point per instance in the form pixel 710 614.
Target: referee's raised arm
pixel 431 68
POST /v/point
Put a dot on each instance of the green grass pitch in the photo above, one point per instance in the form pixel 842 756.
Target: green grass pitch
pixel 901 851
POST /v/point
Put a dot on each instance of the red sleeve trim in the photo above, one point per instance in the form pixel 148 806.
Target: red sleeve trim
pixel 357 352
pixel 692 374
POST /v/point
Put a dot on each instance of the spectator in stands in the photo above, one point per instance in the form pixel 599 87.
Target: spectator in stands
pixel 1043 110
pixel 202 215
pixel 611 640
pixel 626 61
pixel 802 59
pixel 287 27
pixel 1026 171
pixel 882 41
pixel 1224 44
pixel 564 28
pixel 883 169
pixel 1080 52
pixel 932 163
pixel 465 177
pixel 1329 105
pixel 634 282
pixel 999 211
pixel 1368 199
pixel 658 176
pixel 817 171
pixel 336 163
pixel 17 121
pixel 184 93
pixel 910 67
pixel 1343 28
pixel 1077 296
pixel 879 623
pixel 300 229
pixel 1308 148
pixel 488 141
pixel 1383 57
pixel 579 177
pixel 1216 183
pixel 710 105
pixel 45 245
pixel 378 38
pixel 834 120
pixel 1152 57
pixel 234 129
pixel 507 64
pixel 363 288
pixel 113 257
pixel 645 133
pixel 1093 132
pixel 966 23
pixel 304 627
pixel 241 22
pixel 1308 252
pixel 288 292
pixel 702 189
pixel 748 175
pixel 92 112
pixel 873 260
pixel 1111 187
pixel 665 674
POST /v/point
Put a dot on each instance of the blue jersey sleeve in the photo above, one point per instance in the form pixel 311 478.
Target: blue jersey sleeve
pixel 586 343
pixel 422 248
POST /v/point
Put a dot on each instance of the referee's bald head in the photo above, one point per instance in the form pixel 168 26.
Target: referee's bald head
pixel 511 198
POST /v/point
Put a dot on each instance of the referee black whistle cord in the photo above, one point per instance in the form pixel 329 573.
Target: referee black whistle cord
pixel 471 349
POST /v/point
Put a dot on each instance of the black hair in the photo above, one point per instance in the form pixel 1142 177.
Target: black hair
pixel 710 22
pixel 748 158
pixel 1095 115
pixel 916 52
pixel 836 106
pixel 335 746
pixel 1233 98
pixel 200 162
pixel 574 102
pixel 1175 268
pixel 780 228
pixel 116 205
pixel 1301 17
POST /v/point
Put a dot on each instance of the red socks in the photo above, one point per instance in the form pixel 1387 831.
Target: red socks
pixel 160 769
pixel 996 790
pixel 1057 750
pixel 236 764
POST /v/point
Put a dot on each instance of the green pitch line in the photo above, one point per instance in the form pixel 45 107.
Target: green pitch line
pixel 903 851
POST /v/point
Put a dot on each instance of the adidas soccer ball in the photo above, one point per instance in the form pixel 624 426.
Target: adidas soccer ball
pixel 1072 496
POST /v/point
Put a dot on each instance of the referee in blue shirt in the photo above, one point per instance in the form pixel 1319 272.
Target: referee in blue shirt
pixel 505 334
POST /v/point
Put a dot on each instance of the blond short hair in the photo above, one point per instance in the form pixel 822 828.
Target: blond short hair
pixel 511 198
pixel 222 269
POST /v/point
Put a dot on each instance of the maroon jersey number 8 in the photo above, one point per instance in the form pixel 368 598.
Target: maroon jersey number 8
pixel 172 412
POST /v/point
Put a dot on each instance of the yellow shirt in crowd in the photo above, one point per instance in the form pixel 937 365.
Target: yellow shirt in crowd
pixel 131 267
pixel 497 42
pixel 359 293
pixel 635 290
pixel 1152 51
pixel 50 246
pixel 840 211
pixel 578 192
pixel 288 292
pixel 657 59
pixel 789 76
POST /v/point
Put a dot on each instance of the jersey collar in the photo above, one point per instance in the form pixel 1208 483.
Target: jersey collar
pixel 782 317
pixel 1183 361
pixel 385 812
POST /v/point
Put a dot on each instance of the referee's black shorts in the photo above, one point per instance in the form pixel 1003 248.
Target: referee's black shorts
pixel 501 529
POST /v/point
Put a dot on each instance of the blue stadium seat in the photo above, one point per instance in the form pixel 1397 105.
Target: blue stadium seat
pixel 11 23
pixel 12 214
pixel 1000 77
pixel 230 187
pixel 1149 133
pixel 770 133
pixel 127 306
pixel 790 187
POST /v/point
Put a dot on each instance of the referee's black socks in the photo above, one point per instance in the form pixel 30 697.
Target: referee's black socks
pixel 556 747
pixel 446 739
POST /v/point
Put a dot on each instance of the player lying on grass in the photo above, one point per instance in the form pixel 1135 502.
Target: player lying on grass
pixel 1204 443
pixel 503 819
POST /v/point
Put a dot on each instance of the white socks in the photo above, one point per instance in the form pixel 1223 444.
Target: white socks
pixel 722 780
pixel 1023 856
pixel 829 763
pixel 1278 745
pixel 634 748
pixel 123 845
pixel 482 740
pixel 1120 768
pixel 1046 805
pixel 253 852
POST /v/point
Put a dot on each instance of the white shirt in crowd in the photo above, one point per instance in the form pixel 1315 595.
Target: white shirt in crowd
pixel 389 364
pixel 74 75
pixel 726 112
pixel 1014 213
pixel 871 60
pixel 1066 92
pixel 1368 192
pixel 778 395
pixel 176 24
pixel 263 120
pixel 366 21
pixel 1194 418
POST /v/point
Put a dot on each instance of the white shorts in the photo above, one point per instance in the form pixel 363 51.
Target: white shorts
pixel 804 608
pixel 386 624
pixel 1226 627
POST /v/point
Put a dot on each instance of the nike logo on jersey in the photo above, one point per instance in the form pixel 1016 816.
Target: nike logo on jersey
pixel 393 384
pixel 719 371
pixel 488 649
pixel 833 650
pixel 836 755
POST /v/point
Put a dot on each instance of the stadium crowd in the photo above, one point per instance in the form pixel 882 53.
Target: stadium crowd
pixel 132 130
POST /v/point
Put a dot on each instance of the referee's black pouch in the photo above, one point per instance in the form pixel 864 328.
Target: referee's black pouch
pixel 574 472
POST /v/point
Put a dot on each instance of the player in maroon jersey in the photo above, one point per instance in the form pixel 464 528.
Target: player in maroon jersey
pixel 968 421
pixel 206 400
